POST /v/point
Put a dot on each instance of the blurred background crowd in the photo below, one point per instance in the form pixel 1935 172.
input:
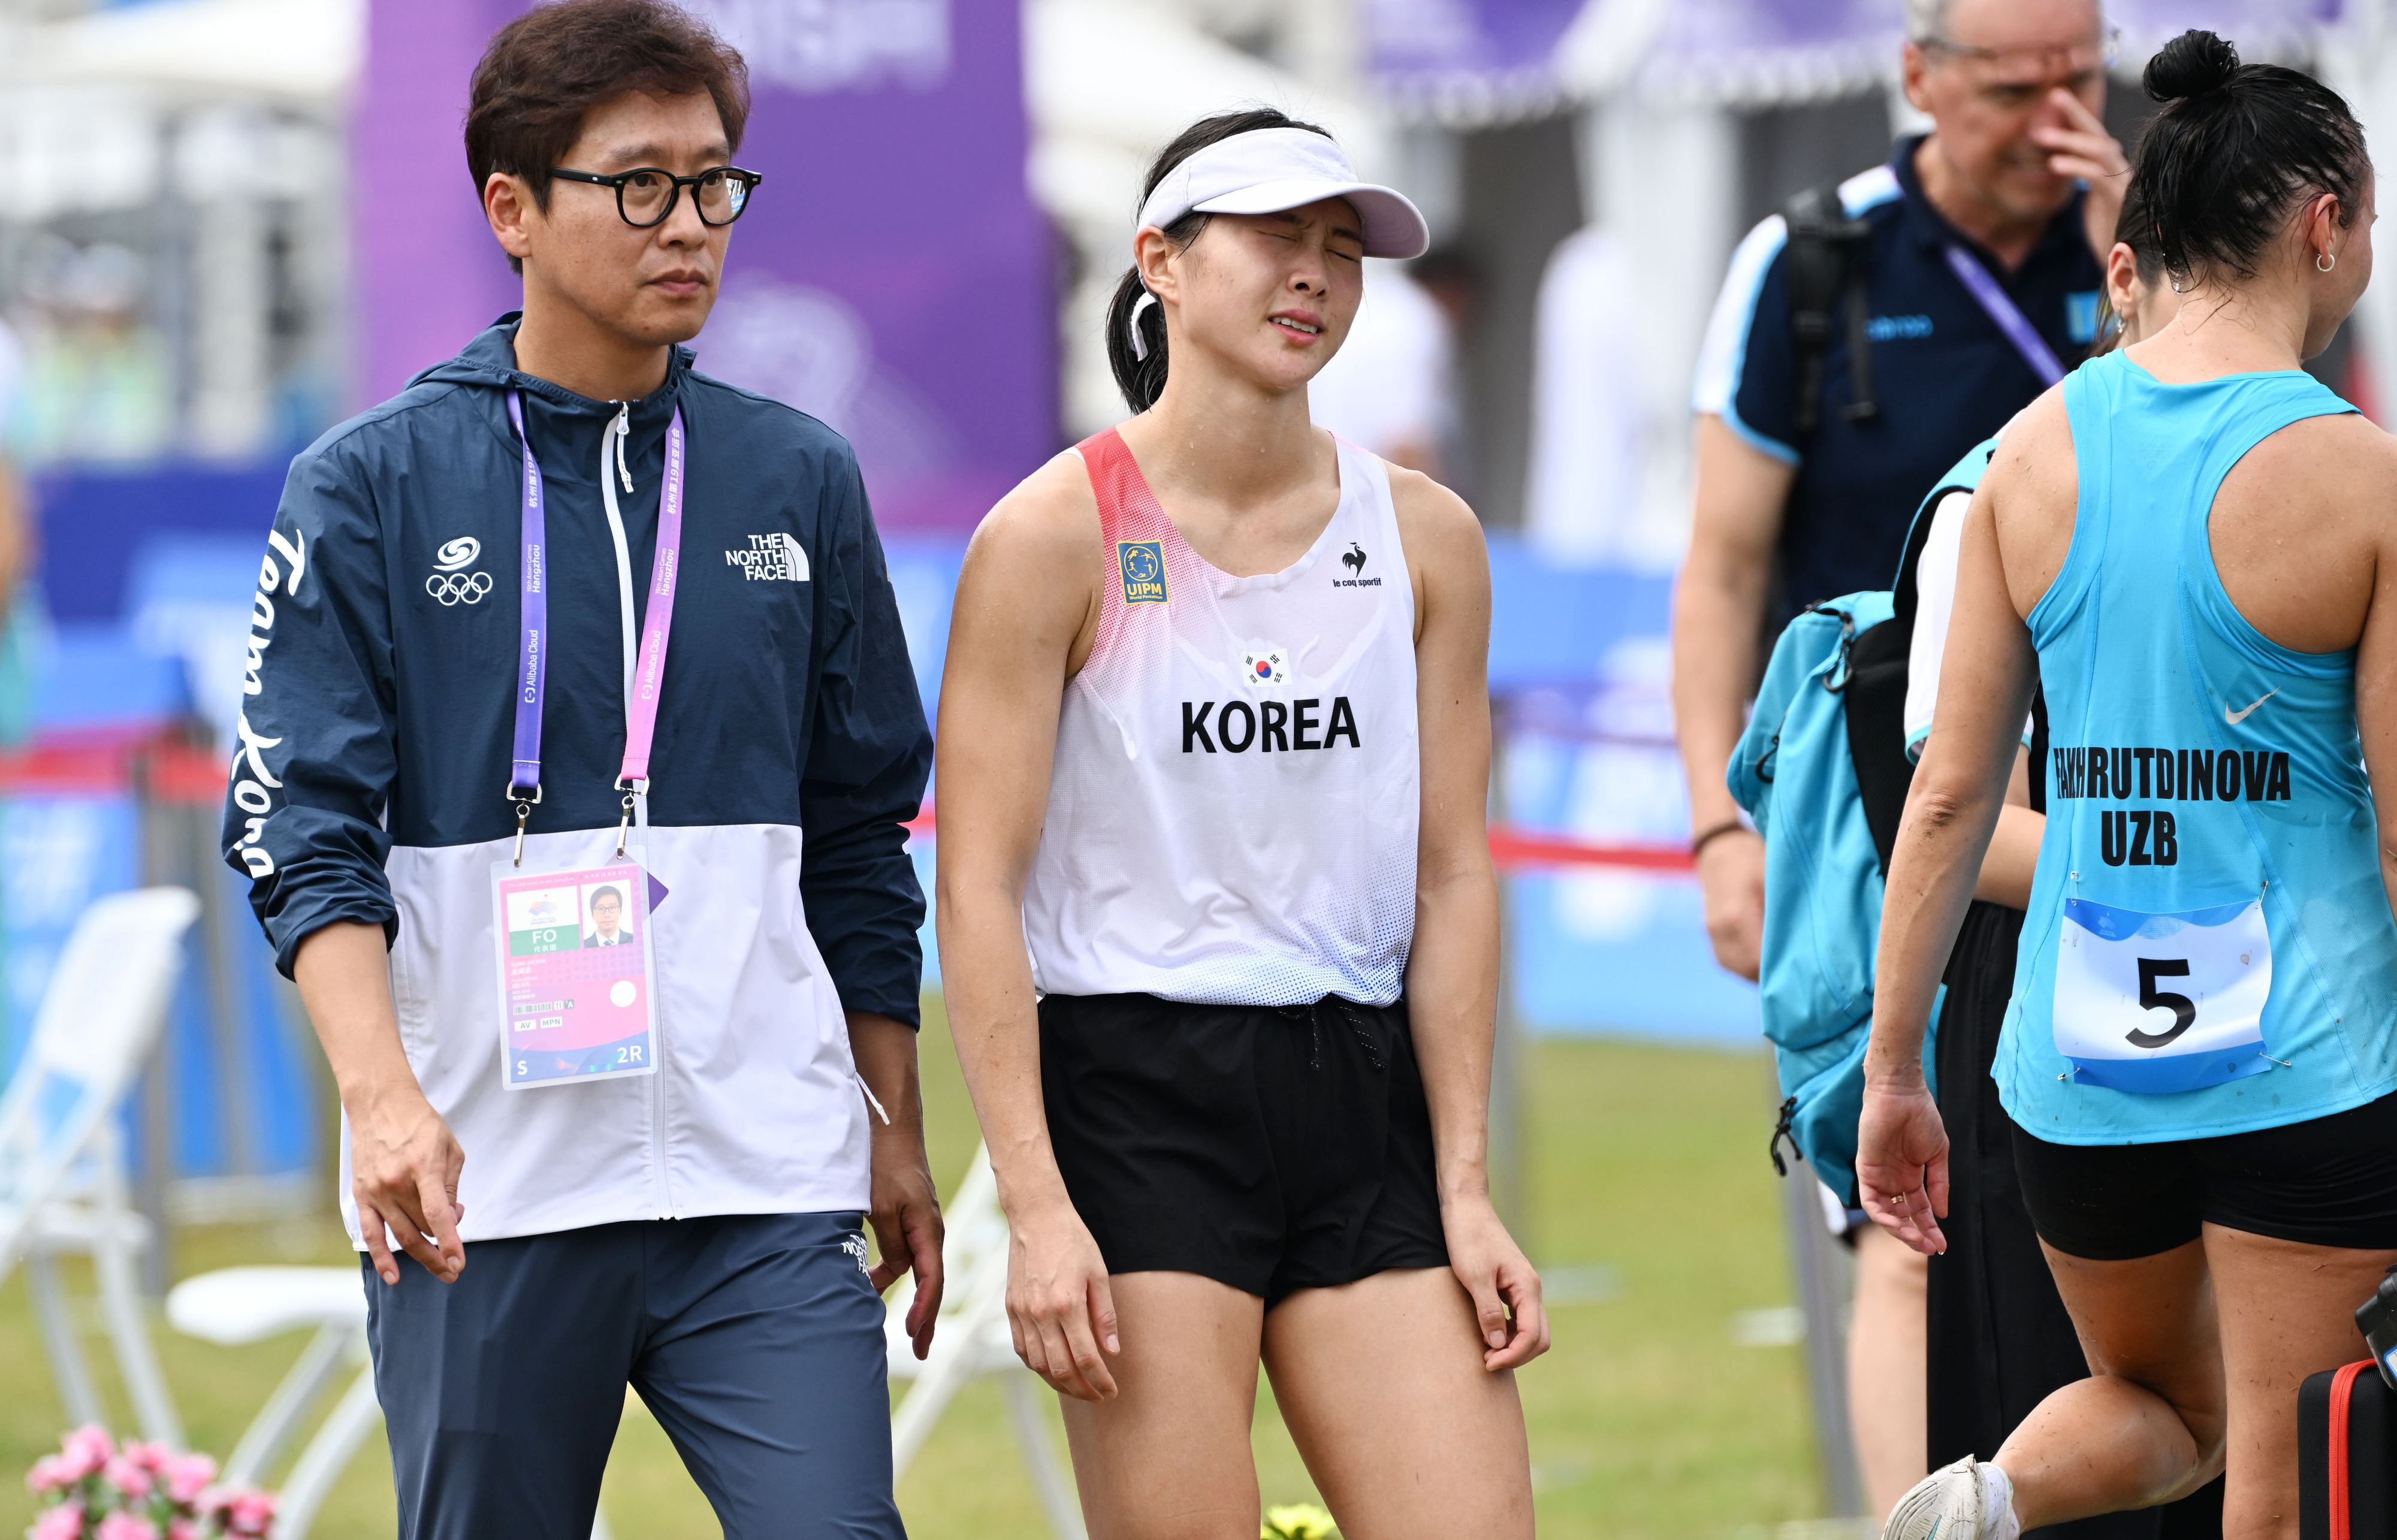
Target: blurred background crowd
pixel 226 224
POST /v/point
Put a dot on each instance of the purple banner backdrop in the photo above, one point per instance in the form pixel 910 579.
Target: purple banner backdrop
pixel 892 278
pixel 1469 58
pixel 429 275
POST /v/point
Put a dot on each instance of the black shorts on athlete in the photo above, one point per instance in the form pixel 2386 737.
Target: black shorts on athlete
pixel 2325 1182
pixel 1269 1148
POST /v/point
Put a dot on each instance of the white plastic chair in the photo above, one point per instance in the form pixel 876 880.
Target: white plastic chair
pixel 63 1183
pixel 236 1305
pixel 972 1340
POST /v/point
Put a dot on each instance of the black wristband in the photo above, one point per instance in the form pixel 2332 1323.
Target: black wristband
pixel 1732 825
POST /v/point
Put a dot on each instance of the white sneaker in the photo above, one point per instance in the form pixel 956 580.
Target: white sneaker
pixel 1951 1504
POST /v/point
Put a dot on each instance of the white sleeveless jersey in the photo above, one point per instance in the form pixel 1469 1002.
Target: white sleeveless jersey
pixel 1232 816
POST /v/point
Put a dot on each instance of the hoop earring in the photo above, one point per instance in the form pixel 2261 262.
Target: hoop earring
pixel 2324 262
pixel 2175 286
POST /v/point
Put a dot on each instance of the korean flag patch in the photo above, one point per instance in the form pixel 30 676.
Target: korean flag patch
pixel 1264 666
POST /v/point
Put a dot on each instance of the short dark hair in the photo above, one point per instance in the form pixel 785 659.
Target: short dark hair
pixel 546 71
pixel 2236 151
pixel 1142 379
pixel 607 893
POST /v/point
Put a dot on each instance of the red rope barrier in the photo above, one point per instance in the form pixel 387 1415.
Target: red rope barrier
pixel 1533 850
pixel 176 773
pixel 1515 850
pixel 111 765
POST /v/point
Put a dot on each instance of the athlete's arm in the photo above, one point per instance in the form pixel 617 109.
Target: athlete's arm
pixel 1717 615
pixel 1986 678
pixel 1025 613
pixel 1453 964
pixel 2012 856
pixel 404 1163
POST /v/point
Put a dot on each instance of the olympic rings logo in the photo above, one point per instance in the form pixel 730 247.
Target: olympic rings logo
pixel 458 588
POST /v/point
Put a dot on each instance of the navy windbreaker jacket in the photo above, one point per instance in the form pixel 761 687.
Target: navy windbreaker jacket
pixel 370 784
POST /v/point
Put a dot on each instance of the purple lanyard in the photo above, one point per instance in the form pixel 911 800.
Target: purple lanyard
pixel 2009 316
pixel 532 658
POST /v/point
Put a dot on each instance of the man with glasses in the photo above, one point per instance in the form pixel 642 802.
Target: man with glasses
pixel 1970 277
pixel 497 662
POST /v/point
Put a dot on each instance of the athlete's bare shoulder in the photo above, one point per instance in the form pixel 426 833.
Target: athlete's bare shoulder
pixel 2032 494
pixel 1435 521
pixel 2353 457
pixel 2035 455
pixel 1448 560
pixel 1052 514
pixel 1032 570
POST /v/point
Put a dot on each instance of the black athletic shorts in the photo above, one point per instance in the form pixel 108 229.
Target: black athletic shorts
pixel 2325 1182
pixel 1270 1149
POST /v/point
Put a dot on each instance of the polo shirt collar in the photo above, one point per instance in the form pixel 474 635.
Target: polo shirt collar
pixel 1930 228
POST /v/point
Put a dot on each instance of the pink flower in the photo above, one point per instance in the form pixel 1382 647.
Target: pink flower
pixel 148 1456
pixel 182 1529
pixel 125 1526
pixel 187 1476
pixel 63 1522
pixel 130 1476
pixel 87 1452
pixel 249 1513
pixel 50 1474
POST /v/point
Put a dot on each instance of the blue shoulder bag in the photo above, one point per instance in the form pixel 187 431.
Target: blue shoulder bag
pixel 1823 771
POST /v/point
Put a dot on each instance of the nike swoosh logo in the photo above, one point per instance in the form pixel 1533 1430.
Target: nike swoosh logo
pixel 2235 717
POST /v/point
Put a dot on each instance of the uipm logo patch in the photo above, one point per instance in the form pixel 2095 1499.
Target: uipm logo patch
pixel 1142 564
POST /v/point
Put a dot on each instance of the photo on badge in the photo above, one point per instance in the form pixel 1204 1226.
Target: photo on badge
pixel 604 922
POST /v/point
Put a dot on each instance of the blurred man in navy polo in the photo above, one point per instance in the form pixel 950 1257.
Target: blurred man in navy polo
pixel 1982 244
pixel 2020 178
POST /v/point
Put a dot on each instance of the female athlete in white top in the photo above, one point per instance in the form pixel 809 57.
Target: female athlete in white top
pixel 1214 748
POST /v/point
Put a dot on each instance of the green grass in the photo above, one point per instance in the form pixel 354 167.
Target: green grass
pixel 1646 1421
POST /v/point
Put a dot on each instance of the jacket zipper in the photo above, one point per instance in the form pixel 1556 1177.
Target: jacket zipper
pixel 617 433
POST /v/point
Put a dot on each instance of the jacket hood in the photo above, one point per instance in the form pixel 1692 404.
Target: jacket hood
pixel 489 363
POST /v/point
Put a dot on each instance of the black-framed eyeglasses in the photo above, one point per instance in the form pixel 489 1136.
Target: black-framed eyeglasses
pixel 646 195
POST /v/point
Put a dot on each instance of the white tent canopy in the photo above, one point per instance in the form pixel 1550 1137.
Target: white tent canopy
pixel 300 51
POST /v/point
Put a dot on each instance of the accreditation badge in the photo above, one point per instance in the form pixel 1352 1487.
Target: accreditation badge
pixel 577 997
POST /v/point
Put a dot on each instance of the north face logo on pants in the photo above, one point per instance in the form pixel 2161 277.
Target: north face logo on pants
pixel 772 558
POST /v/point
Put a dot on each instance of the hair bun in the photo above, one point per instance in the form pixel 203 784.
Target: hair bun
pixel 2190 65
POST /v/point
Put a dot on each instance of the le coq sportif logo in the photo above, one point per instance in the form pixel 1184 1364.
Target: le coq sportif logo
pixel 449 582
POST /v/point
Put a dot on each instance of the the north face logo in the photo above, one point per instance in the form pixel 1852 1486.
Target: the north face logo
pixel 772 558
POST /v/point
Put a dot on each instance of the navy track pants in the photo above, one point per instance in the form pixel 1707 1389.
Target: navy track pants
pixel 756 1339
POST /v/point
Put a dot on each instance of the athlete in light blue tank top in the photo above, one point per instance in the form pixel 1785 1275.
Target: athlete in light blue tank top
pixel 2209 947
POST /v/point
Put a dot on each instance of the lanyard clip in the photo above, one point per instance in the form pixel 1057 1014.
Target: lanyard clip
pixel 625 828
pixel 524 806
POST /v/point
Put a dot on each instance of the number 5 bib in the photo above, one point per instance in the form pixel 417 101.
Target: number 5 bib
pixel 2159 1003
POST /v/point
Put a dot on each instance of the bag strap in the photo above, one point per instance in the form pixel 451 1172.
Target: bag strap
pixel 2342 1396
pixel 1826 256
pixel 1904 598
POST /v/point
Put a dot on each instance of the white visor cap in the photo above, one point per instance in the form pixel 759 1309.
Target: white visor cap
pixel 1267 170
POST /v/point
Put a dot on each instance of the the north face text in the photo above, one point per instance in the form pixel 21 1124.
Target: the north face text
pixel 771 558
